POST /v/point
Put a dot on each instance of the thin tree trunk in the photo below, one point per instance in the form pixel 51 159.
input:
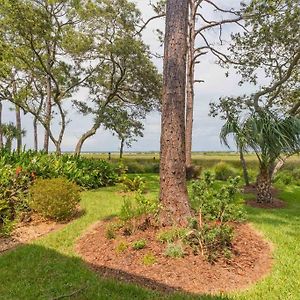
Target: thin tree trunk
pixel 263 186
pixel 1 134
pixel 48 114
pixel 244 166
pixel 122 148
pixel 85 136
pixel 190 84
pixel 280 164
pixel 35 134
pixel 18 119
pixel 173 188
pixel 19 127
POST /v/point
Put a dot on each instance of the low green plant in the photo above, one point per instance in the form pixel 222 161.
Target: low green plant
pixel 137 205
pixel 54 198
pixel 138 245
pixel 171 235
pixel 121 247
pixel 223 171
pixel 174 250
pixel 149 259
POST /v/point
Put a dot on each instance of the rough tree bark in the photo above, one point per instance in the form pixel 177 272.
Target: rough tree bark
pixel 1 135
pixel 263 186
pixel 173 188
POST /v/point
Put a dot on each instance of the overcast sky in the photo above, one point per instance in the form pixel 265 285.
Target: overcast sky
pixel 206 129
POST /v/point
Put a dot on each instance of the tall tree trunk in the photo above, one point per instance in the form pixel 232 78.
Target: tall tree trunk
pixel 48 114
pixel 263 186
pixel 85 136
pixel 35 134
pixel 122 148
pixel 173 188
pixel 1 134
pixel 190 84
pixel 244 166
pixel 19 127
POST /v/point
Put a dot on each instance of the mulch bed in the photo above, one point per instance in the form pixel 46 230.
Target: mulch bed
pixel 274 205
pixel 28 231
pixel 32 227
pixel 251 261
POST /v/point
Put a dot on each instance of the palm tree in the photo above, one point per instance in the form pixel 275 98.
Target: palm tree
pixel 232 126
pixel 10 132
pixel 269 135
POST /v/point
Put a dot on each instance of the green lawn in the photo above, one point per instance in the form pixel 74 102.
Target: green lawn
pixel 49 267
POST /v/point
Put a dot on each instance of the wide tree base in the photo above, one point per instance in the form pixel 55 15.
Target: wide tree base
pixel 250 261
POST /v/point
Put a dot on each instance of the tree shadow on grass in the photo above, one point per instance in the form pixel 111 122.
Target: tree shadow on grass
pixel 35 272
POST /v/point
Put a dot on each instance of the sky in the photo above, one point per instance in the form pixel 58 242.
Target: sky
pixel 206 129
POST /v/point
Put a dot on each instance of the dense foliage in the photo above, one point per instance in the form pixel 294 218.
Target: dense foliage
pixel 55 198
pixel 87 173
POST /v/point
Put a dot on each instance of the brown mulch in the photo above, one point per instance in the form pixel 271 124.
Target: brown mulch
pixel 32 227
pixel 273 205
pixel 28 231
pixel 251 261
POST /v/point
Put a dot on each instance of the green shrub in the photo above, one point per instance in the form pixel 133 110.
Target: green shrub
pixel 216 203
pixel 149 259
pixel 212 240
pixel 223 171
pixel 174 250
pixel 54 198
pixel 138 245
pixel 132 184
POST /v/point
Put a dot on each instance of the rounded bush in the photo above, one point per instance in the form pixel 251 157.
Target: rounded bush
pixel 54 198
pixel 223 171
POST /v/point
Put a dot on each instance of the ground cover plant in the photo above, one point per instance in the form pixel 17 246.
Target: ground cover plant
pixel 58 270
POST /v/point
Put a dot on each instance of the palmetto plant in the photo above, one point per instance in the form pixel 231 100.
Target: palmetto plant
pixel 9 133
pixel 269 135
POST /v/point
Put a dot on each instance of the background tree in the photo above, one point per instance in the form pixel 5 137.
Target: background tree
pixel 173 189
pixel 119 83
pixel 40 34
pixel 126 125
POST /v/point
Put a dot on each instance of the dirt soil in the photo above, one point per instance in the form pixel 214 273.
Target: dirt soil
pixel 251 261
pixel 28 231
pixel 275 204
